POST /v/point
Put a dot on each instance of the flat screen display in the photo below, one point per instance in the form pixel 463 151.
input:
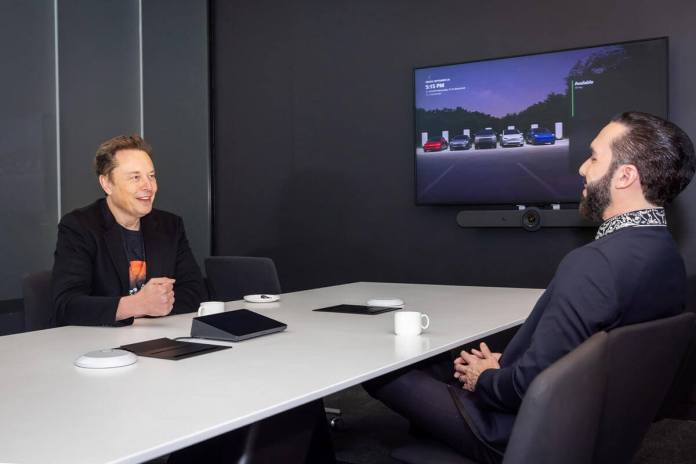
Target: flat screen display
pixel 515 130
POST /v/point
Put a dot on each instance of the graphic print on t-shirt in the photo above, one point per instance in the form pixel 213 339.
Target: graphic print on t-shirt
pixel 134 247
pixel 137 270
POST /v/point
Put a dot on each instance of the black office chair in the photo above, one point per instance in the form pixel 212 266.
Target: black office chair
pixel 232 277
pixel 681 400
pixel 38 303
pixel 643 361
pixel 295 436
pixel 558 419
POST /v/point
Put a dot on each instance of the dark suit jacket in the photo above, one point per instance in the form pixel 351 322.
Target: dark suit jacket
pixel 633 275
pixel 90 270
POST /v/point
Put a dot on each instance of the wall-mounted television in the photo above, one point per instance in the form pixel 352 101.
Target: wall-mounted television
pixel 515 130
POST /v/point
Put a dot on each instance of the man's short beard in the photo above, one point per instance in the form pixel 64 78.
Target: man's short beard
pixel 598 196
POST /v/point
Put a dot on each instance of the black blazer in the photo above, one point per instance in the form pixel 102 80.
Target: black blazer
pixel 633 275
pixel 90 269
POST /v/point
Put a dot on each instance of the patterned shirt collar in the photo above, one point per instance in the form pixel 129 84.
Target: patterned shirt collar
pixel 640 218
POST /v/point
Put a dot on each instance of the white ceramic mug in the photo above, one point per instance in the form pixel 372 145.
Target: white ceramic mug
pixel 410 322
pixel 211 307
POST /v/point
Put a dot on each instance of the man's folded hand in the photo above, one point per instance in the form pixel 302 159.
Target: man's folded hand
pixel 469 366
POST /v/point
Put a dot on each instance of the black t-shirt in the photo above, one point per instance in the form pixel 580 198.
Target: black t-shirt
pixel 134 246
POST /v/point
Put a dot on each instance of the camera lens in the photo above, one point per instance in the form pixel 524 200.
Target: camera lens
pixel 531 219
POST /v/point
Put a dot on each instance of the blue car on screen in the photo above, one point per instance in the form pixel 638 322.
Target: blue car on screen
pixel 540 136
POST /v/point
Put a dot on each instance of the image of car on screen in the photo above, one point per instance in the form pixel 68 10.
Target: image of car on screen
pixel 460 142
pixel 511 138
pixel 436 144
pixel 540 136
pixel 485 138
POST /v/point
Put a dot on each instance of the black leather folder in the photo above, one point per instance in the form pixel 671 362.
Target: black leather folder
pixel 357 309
pixel 166 348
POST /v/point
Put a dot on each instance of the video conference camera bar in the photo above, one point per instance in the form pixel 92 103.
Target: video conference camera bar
pixel 528 218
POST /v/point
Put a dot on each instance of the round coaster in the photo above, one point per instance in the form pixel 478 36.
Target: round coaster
pixel 261 298
pixel 386 303
pixel 106 359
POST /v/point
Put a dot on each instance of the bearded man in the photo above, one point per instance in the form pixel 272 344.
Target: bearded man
pixel 632 272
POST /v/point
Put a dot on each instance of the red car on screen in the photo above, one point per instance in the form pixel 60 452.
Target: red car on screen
pixel 437 144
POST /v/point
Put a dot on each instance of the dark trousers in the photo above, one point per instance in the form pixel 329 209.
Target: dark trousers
pixel 300 435
pixel 421 394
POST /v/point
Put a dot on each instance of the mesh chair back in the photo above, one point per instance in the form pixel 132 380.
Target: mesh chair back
pixel 232 277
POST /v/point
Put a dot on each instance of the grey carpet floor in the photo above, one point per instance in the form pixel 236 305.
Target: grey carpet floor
pixel 369 431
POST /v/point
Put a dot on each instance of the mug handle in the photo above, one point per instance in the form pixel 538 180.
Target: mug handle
pixel 199 310
pixel 427 321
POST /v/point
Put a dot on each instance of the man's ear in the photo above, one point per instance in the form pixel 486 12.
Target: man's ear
pixel 626 175
pixel 105 183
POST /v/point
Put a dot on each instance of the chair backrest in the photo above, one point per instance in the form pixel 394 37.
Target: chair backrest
pixel 560 412
pixel 643 361
pixel 681 399
pixel 680 402
pixel 232 277
pixel 38 303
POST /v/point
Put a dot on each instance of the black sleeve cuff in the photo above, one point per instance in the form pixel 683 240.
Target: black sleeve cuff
pixel 496 389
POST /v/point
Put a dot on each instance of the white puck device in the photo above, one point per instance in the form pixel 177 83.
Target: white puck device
pixel 263 298
pixel 386 303
pixel 106 359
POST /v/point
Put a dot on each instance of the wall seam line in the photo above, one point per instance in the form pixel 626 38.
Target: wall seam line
pixel 57 92
pixel 140 46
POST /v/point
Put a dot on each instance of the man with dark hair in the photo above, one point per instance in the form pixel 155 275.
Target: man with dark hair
pixel 632 272
pixel 118 258
pixel 657 149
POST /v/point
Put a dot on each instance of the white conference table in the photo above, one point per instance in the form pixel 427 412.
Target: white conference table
pixel 52 411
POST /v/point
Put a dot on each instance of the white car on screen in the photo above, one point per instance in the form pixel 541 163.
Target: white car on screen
pixel 511 137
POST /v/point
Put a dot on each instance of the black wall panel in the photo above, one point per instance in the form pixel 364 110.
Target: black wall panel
pixel 28 188
pixel 99 88
pixel 176 113
pixel 314 127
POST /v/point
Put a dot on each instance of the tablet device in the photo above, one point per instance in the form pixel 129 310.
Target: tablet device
pixel 234 326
